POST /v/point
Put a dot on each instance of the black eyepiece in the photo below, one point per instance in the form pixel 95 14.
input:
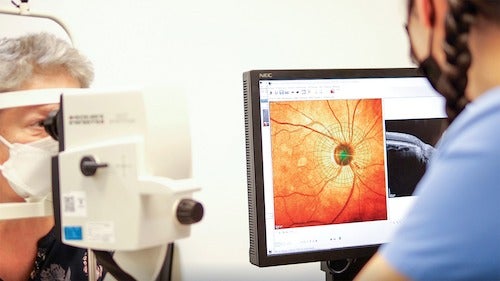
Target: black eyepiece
pixel 51 124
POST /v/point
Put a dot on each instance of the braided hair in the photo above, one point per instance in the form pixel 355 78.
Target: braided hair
pixel 461 15
pixel 452 86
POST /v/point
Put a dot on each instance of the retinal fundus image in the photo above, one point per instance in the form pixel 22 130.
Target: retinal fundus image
pixel 328 162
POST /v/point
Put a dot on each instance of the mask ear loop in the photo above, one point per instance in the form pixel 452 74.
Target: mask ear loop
pixel 6 142
pixel 432 19
pixel 429 66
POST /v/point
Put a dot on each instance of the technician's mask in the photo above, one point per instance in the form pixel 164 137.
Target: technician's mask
pixel 430 68
pixel 28 169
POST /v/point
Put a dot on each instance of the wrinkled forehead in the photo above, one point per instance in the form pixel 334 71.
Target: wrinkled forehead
pixel 29 98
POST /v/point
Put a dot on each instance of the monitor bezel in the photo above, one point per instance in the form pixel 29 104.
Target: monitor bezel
pixel 255 184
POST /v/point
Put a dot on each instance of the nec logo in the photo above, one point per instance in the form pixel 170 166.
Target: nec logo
pixel 266 75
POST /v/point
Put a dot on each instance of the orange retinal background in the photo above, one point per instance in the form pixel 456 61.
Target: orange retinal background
pixel 310 186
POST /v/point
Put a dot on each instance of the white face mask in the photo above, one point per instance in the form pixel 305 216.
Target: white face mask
pixel 28 169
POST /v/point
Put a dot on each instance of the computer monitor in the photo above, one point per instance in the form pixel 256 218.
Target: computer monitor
pixel 333 157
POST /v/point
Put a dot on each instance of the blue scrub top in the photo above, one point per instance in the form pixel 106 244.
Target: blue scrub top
pixel 453 230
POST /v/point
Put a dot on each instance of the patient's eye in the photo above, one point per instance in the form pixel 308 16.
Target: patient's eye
pixel 37 117
pixel 35 127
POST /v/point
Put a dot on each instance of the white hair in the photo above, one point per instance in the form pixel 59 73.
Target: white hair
pixel 19 57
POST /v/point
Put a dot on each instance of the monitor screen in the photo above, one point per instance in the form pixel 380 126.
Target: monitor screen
pixel 333 157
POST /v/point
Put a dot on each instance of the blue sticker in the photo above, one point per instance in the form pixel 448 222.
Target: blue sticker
pixel 73 233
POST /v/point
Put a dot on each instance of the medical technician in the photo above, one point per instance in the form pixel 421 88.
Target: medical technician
pixel 29 249
pixel 453 230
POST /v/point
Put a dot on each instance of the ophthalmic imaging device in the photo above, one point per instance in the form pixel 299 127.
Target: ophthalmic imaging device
pixel 106 197
pixel 109 192
pixel 112 193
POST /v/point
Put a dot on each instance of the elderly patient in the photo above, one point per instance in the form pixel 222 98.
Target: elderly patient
pixel 29 249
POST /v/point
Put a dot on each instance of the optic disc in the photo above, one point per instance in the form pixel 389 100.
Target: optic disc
pixel 343 154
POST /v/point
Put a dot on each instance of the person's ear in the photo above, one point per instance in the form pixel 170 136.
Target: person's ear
pixel 426 11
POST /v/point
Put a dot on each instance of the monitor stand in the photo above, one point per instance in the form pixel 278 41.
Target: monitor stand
pixel 345 269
